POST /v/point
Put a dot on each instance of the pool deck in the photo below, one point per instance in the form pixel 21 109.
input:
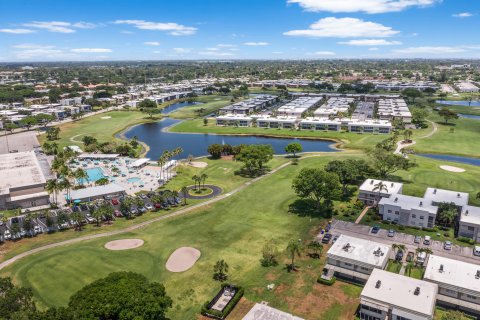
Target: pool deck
pixel 149 176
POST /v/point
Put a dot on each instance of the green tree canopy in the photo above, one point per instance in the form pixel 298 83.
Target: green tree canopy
pixel 447 114
pixel 148 106
pixel 293 148
pixel 384 163
pixel 317 184
pixel 254 157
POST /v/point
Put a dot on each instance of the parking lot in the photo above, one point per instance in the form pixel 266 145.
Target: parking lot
pixel 462 253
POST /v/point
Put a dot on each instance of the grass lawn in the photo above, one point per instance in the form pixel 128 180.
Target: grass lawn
pixel 210 104
pixel 103 130
pixel 417 272
pixel 463 109
pixel 234 230
pixel 393 266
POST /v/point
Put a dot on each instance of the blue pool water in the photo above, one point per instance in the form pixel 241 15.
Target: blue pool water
pixel 134 180
pixel 465 160
pixel 93 174
pixel 153 135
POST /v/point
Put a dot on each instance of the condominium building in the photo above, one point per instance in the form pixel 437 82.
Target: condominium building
pixel 458 283
pixel 391 296
pixel 333 106
pixel 372 191
pixel 355 258
pixel 469 223
pixel 408 210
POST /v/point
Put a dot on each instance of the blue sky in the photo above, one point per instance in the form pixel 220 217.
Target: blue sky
pixel 51 30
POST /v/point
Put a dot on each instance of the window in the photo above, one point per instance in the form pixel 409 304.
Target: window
pixel 414 216
pixel 470 228
pixel 397 212
pixel 347 264
pixel 389 211
pixel 422 217
pixel 471 297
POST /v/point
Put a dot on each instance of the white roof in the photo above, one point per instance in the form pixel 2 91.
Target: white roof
pixel 97 156
pixel 139 162
pixel 398 291
pixel 392 187
pixel 409 203
pixel 264 312
pixel 19 169
pixel 96 191
pixel 470 214
pixel 441 195
pixel 456 273
pixel 360 250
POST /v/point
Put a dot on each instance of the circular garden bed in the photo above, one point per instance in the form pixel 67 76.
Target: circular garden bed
pixel 203 192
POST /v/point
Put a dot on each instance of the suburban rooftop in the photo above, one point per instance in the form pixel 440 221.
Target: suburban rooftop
pixel 409 203
pixel 364 251
pixel 441 195
pixel 19 169
pixel 392 187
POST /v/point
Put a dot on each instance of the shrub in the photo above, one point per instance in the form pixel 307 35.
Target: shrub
pixel 401 228
pixel 466 240
pixel 326 282
pixel 446 235
pixel 430 229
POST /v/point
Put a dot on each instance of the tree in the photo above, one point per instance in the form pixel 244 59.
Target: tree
pixel 447 114
pixel 88 140
pixel 184 192
pixel 81 176
pixel 379 187
pixel 220 271
pixel 44 119
pixel 52 133
pixel 254 157
pixel 269 254
pixel 409 268
pixel 348 171
pixel 215 150
pixel 419 115
pixel 398 248
pixel 294 248
pixel 454 315
pixel 293 148
pixel 316 184
pixel 411 93
pixel 203 178
pixel 102 182
pixel 148 106
pixel 316 249
pixel 121 295
pixel 385 163
pixel 205 121
pixel 15 302
pixel 407 133
pixel 447 213
pixel 196 179
pixel 28 122
pixel 77 217
pixel 52 187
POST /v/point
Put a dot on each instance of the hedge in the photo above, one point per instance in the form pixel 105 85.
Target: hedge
pixel 466 240
pixel 223 314
pixel 326 282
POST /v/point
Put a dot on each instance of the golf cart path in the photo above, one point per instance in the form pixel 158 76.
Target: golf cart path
pixel 401 145
pixel 146 223
pixel 431 133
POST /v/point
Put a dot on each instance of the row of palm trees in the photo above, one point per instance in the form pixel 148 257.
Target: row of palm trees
pixel 200 180
pixel 165 157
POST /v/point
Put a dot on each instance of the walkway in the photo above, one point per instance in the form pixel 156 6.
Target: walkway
pixel 431 133
pixel 216 191
pixel 360 217
pixel 140 225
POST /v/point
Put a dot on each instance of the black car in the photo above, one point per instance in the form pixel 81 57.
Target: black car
pixel 326 238
pixel 399 256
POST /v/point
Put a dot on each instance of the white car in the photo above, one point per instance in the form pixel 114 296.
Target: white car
pixel 89 218
pixel 7 235
pixel 148 206
pixel 447 245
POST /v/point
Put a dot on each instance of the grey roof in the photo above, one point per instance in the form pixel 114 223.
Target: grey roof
pixel 409 203
pixel 470 214
pixel 96 191
pixel 441 195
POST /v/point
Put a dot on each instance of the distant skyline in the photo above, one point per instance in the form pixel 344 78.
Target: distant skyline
pixel 89 30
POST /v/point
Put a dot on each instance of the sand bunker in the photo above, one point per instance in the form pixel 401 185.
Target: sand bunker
pixel 182 259
pixel 452 169
pixel 124 244
pixel 198 164
pixel 107 117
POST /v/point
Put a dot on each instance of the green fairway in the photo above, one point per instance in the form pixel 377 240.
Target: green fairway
pixel 463 109
pixel 210 104
pixel 234 230
pixel 101 126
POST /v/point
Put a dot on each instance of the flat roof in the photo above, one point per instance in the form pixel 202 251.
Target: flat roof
pixel 98 156
pixel 392 187
pixel 454 273
pixel 96 191
pixel 399 291
pixel 363 251
pixel 264 312
pixel 441 195
pixel 139 162
pixel 409 203
pixel 20 169
pixel 470 214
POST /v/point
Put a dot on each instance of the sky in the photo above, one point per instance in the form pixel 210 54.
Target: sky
pixel 90 30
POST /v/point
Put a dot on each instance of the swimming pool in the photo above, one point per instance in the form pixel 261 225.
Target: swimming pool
pixel 93 174
pixel 135 180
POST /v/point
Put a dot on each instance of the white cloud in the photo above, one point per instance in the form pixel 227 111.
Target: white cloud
pixel 215 53
pixel 174 29
pixel 370 42
pixel 40 52
pixel 430 50
pixel 126 32
pixel 373 49
pixel 84 25
pixel 344 28
pixel 182 50
pixel 91 50
pixel 151 43
pixel 60 26
pixel 17 31
pixel 324 53
pixel 367 6
pixel 462 15
pixel 260 43
pixel 223 45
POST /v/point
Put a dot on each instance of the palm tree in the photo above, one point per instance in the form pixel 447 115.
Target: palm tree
pixel 316 249
pixel 398 247
pixel 161 163
pixel 380 186
pixel 407 135
pixel 66 185
pixel 409 268
pixel 196 179
pixel 293 249
pixel 184 191
pixel 81 175
pixel 52 187
pixel 203 177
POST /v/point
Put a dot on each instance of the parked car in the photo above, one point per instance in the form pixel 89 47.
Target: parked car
pixel 399 255
pixel 326 238
pixel 143 196
pixel 133 211
pixel 158 206
pixel 335 238
pixel 410 256
pixel 149 206
pixel 417 239
pixel 115 202
pixel 89 218
pixel 375 229
pixel 37 229
pixel 427 240
pixel 447 245
pixel 83 207
pixel 421 256
pixel 142 210
pixel 476 251
pixel 7 234
pixel 117 213
pixel 391 233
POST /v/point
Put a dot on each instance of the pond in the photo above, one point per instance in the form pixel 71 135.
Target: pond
pixel 178 105
pixel 469 116
pixel 465 103
pixel 196 144
pixel 446 157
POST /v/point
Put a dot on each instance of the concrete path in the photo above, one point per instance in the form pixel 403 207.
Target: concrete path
pixel 431 133
pixel 402 270
pixel 401 145
pixel 360 217
pixel 140 225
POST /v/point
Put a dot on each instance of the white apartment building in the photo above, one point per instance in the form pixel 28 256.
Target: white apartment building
pixel 324 124
pixel 355 258
pixel 333 106
pixel 408 211
pixel 458 283
pixel 394 109
pixel 391 296
pixel 298 107
pixel 469 224
pixel 280 122
pixel 234 120
pixel 370 193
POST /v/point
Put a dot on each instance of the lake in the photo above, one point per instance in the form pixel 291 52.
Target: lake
pixel 469 116
pixel 178 105
pixel 465 103
pixel 196 144
pixel 445 157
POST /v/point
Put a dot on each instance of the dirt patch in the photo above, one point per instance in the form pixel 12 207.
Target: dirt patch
pixel 124 244
pixel 452 168
pixel 227 157
pixel 105 118
pixel 182 259
pixel 241 309
pixel 198 164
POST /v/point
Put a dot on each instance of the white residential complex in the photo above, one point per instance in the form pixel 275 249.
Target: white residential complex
pixel 249 106
pixel 394 109
pixel 372 190
pixel 298 107
pixel 333 106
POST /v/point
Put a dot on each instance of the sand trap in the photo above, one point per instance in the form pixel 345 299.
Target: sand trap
pixel 198 164
pixel 124 244
pixel 182 259
pixel 452 169
pixel 107 117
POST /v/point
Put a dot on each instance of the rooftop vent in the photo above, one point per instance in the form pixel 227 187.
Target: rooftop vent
pixel 434 191
pixel 392 185
pixel 396 199
pixel 421 203
pixel 346 247
pixel 417 291
pixel 466 213
pixel 458 195
pixel 441 268
pixel 371 181
pixel 378 252
pixel 477 275
pixel 378 284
